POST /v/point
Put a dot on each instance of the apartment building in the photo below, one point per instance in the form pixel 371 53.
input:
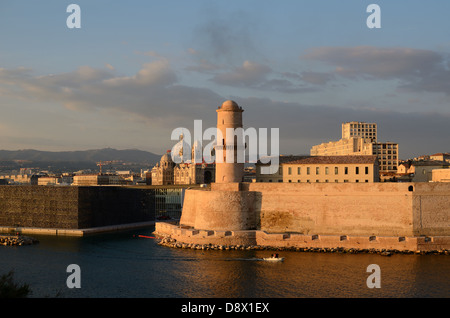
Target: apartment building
pixel 360 138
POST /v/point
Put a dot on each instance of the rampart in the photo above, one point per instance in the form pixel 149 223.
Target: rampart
pixel 361 215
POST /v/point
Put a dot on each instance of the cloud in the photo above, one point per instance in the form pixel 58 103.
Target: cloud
pixel 415 69
pixel 316 78
pixel 225 39
pixel 152 74
pixel 261 77
pixel 152 94
pixel 303 126
pixel 154 98
pixel 249 74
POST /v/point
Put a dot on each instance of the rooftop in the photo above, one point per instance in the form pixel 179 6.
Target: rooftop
pixel 333 160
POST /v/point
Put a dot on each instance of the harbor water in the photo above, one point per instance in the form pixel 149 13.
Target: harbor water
pixel 122 265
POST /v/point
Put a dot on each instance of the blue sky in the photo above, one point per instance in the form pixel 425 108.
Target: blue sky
pixel 136 70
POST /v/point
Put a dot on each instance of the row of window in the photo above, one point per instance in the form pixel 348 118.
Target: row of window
pixel 317 181
pixel 363 125
pixel 386 146
pixel 327 170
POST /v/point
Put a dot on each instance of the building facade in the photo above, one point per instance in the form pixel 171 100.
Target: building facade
pixel 440 157
pixel 277 176
pixel 166 172
pixel 96 180
pixel 163 171
pixel 359 130
pixel 309 169
pixel 338 169
pixel 194 173
pixel 423 170
pixel 360 138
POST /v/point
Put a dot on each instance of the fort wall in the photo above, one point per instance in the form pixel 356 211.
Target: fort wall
pixel 321 214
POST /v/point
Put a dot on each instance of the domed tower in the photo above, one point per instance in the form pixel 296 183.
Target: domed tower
pixel 229 115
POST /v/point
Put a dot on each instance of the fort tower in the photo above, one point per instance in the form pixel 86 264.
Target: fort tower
pixel 229 115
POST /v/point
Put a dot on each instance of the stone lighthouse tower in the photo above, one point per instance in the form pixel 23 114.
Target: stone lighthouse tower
pixel 229 115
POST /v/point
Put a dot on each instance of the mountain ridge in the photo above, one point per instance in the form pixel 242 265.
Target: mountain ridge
pixel 91 155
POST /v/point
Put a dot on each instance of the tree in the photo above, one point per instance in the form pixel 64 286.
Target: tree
pixel 10 289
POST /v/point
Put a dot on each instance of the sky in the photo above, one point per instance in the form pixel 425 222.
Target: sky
pixel 136 70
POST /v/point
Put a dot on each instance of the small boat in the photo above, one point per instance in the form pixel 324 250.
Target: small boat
pixel 274 259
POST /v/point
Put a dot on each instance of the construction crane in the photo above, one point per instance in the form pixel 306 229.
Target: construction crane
pixel 101 163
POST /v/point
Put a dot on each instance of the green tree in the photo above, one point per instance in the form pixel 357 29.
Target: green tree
pixel 10 289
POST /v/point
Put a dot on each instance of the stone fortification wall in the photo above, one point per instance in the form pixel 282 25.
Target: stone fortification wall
pixel 183 237
pixel 431 208
pixel 73 207
pixel 221 210
pixel 357 209
pixel 336 209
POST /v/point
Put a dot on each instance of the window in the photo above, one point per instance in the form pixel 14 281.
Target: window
pixel 308 170
pixel 326 170
pixel 346 170
pixel 317 170
pixel 357 170
pixel 298 170
pixel 336 170
pixel 289 171
pixel 366 170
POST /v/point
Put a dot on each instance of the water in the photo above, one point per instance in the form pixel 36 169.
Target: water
pixel 121 265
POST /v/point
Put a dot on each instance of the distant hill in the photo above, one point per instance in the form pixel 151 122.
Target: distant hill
pixel 94 155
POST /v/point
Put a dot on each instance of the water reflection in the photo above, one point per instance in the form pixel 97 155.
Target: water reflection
pixel 120 265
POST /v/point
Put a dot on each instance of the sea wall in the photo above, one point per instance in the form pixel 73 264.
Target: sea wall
pixel 182 237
